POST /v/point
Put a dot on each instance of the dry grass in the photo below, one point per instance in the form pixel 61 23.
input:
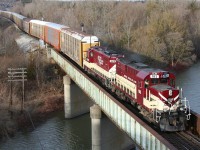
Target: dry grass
pixel 43 94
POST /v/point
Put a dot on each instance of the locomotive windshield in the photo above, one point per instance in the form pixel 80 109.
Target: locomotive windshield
pixel 159 80
pixel 163 80
pixel 154 81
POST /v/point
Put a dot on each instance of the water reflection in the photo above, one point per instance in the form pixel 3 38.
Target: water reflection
pixel 56 133
pixel 189 80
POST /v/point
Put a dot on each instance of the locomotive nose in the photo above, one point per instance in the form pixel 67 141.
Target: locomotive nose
pixel 169 95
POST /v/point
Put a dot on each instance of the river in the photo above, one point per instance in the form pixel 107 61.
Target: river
pixel 75 134
pixel 56 133
pixel 189 81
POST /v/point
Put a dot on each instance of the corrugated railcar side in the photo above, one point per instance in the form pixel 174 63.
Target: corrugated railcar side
pixel 18 20
pixel 37 28
pixel 26 25
pixel 52 34
pixel 75 44
pixel 6 14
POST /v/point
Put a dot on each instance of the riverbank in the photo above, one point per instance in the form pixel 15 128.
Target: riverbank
pixel 13 119
pixel 39 108
pixel 43 88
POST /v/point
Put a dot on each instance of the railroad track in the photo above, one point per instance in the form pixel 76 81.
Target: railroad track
pixel 183 140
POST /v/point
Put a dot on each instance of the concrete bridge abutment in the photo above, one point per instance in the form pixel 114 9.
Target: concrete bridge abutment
pixel 49 57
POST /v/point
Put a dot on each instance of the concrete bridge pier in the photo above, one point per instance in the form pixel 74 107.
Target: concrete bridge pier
pixel 49 58
pixel 48 50
pixel 95 114
pixel 67 97
pixel 76 102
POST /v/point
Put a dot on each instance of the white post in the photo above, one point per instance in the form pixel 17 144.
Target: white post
pixel 95 114
pixel 67 96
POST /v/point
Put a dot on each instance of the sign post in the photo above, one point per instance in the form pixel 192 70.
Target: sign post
pixel 15 75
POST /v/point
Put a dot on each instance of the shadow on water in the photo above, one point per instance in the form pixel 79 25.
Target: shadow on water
pixel 55 133
pixel 70 134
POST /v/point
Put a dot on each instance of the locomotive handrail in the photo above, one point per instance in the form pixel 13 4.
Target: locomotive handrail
pixel 187 108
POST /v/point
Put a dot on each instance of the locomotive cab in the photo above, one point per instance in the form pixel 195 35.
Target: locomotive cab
pixel 165 102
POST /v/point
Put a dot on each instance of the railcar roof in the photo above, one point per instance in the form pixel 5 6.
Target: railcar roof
pixel 129 61
pixel 55 25
pixel 130 58
pixel 143 73
pixel 84 37
pixel 75 32
pixel 18 15
pixel 5 11
pixel 136 65
pixel 27 19
pixel 152 70
pixel 108 52
pixel 139 65
pixel 38 22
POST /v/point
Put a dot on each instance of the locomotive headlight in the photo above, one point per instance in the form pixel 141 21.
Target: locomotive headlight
pixel 170 92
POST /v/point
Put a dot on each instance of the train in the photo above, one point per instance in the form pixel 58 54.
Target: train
pixel 150 90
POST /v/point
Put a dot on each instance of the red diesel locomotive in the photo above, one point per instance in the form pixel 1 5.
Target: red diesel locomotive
pixel 151 90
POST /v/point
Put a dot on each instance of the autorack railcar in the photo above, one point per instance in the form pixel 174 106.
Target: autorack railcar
pixel 37 28
pixel 18 20
pixel 52 34
pixel 6 14
pixel 26 25
pixel 75 44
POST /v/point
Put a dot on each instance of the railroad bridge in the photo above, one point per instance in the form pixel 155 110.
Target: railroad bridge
pixel 143 135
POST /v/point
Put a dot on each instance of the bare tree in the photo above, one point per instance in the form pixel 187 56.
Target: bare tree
pixel 177 48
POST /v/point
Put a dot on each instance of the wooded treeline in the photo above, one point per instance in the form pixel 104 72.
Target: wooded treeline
pixel 164 31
